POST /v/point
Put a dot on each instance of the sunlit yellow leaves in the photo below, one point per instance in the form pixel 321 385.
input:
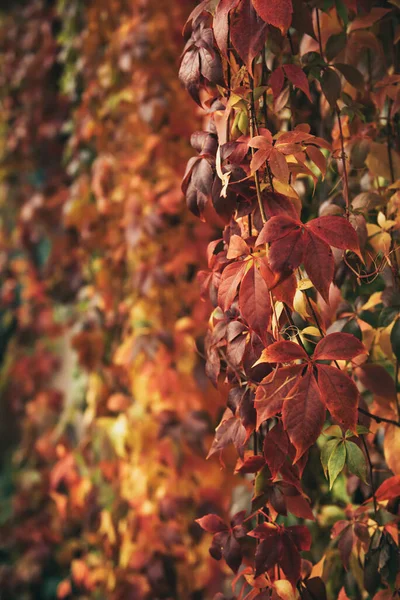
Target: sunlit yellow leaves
pixel 379 235
pixel 378 161
pixel 391 446
pixel 117 431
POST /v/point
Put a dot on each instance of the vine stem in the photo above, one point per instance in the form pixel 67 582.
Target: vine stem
pixel 253 131
pixel 289 318
pixel 371 474
pixel 378 419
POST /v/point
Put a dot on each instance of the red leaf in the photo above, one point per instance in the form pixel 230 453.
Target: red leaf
pixel 212 524
pixel 248 33
pixel 231 277
pixel 282 352
pixel 286 256
pixel 299 507
pixel 264 531
pixel 335 231
pixel 343 595
pixel 259 159
pixel 278 204
pixel 389 489
pixel 290 559
pixel 221 23
pixel 267 555
pixel 254 302
pixel 340 394
pixel 300 535
pixel 277 228
pixel 345 545
pixel 338 346
pixel 299 79
pixel 319 264
pixel 279 166
pixel 377 380
pixel 276 81
pixel 317 158
pixel 189 73
pixel 304 414
pixel 237 247
pixel 275 12
pixel 252 464
pixel 275 448
pixel 283 289
pixel 229 431
pixel 273 390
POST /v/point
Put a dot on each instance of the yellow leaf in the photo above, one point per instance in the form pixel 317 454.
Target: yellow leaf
pixel 377 238
pixel 391 448
pixel 300 305
pixel 304 284
pixel 318 568
pixel 284 590
pixel 378 161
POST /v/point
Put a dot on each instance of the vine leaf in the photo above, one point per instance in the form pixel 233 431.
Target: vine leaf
pixel 298 78
pixel 293 243
pixel 302 392
pixel 225 542
pixel 275 12
pixel 355 460
pixel 254 301
pixel 336 462
pixel 248 33
pixel 281 546
pixel 304 414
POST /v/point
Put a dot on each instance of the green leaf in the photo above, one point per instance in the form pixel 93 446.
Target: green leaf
pixel 333 431
pixel 361 430
pixel 387 315
pixel 326 452
pixel 353 327
pixel 355 461
pixel 342 11
pixel 395 339
pixel 336 462
pixel 261 481
pixel 335 44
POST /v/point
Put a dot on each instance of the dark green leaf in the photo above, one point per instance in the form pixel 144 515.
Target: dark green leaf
pixel 342 11
pixel 387 315
pixel 331 86
pixel 353 327
pixel 335 44
pixel 395 339
pixel 355 461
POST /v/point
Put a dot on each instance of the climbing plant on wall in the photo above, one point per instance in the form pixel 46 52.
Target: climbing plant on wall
pixel 298 171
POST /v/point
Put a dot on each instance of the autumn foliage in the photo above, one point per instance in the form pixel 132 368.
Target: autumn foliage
pixel 298 164
pixel 256 326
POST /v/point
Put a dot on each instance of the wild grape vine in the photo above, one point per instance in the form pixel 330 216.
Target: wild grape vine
pixel 298 172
